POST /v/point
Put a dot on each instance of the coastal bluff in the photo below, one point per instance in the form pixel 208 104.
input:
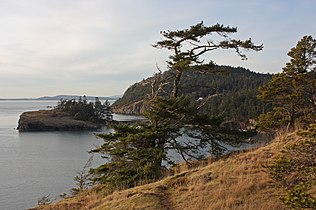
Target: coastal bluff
pixel 52 120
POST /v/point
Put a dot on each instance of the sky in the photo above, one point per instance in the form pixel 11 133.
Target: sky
pixel 101 47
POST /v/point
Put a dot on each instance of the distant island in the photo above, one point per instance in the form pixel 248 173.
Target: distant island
pixel 65 97
pixel 68 115
pixel 51 120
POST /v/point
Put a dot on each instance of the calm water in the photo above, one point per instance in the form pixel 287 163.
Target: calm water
pixel 33 165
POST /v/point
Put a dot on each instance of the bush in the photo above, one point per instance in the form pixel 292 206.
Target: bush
pixel 295 171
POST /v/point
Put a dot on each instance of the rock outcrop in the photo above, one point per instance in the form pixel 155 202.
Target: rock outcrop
pixel 134 108
pixel 52 120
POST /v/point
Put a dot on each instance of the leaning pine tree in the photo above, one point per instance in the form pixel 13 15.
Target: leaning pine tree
pixel 188 45
pixel 138 153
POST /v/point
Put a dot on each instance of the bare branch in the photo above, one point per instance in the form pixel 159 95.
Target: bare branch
pixel 207 99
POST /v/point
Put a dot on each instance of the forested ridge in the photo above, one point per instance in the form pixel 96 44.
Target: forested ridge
pixel 232 90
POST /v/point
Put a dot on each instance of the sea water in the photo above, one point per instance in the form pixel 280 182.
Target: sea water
pixel 37 164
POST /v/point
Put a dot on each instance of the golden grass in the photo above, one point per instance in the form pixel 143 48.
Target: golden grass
pixel 237 182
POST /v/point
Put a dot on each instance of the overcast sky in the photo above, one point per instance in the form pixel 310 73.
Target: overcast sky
pixel 101 47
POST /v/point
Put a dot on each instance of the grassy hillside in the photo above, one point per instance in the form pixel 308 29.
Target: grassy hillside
pixel 238 181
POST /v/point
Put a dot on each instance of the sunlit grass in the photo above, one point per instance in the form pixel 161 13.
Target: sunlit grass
pixel 238 181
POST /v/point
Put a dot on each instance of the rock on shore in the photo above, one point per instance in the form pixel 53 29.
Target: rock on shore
pixel 52 120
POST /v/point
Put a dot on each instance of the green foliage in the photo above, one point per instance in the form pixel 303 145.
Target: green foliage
pixel 299 198
pixel 45 200
pixel 184 119
pixel 176 122
pixel 139 152
pixel 295 171
pixel 188 45
pixel 82 110
pixel 83 178
pixel 310 132
pixel 293 91
pixel 136 152
pixel 223 89
pixel 133 154
pixel 273 120
pixel 169 111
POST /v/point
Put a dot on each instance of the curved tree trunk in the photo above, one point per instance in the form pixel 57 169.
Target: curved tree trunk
pixel 176 81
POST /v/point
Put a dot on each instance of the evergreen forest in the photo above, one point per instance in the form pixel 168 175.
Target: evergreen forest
pixel 226 90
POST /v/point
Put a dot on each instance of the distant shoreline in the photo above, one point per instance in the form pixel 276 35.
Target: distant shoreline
pixel 58 97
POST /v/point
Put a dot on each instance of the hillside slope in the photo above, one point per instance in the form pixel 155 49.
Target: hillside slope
pixel 235 91
pixel 237 181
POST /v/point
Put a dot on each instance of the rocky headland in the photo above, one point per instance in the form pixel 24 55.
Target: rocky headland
pixel 52 120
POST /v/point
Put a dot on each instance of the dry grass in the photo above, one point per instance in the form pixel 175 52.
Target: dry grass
pixel 235 182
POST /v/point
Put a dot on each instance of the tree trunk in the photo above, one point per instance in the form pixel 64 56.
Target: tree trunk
pixel 176 81
pixel 290 126
pixel 157 167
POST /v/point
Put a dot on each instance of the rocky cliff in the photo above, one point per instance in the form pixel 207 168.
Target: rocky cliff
pixel 133 108
pixel 52 120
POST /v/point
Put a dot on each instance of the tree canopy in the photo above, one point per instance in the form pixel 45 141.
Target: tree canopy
pixel 86 111
pixel 293 91
pixel 140 152
pixel 225 90
pixel 188 45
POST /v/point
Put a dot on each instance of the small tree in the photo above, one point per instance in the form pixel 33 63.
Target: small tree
pixel 83 178
pixel 44 200
pixel 293 91
pixel 295 172
pixel 133 156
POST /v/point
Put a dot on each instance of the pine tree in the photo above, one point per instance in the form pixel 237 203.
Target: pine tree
pixel 188 45
pixel 139 152
pixel 293 91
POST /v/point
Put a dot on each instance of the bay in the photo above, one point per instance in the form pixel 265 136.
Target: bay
pixel 36 164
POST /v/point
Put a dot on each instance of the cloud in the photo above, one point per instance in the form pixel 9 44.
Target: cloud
pixel 101 47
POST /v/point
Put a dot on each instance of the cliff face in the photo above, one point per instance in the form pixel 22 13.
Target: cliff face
pixel 130 108
pixel 52 120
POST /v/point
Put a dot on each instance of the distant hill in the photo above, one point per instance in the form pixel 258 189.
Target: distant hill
pixel 68 97
pixel 228 90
